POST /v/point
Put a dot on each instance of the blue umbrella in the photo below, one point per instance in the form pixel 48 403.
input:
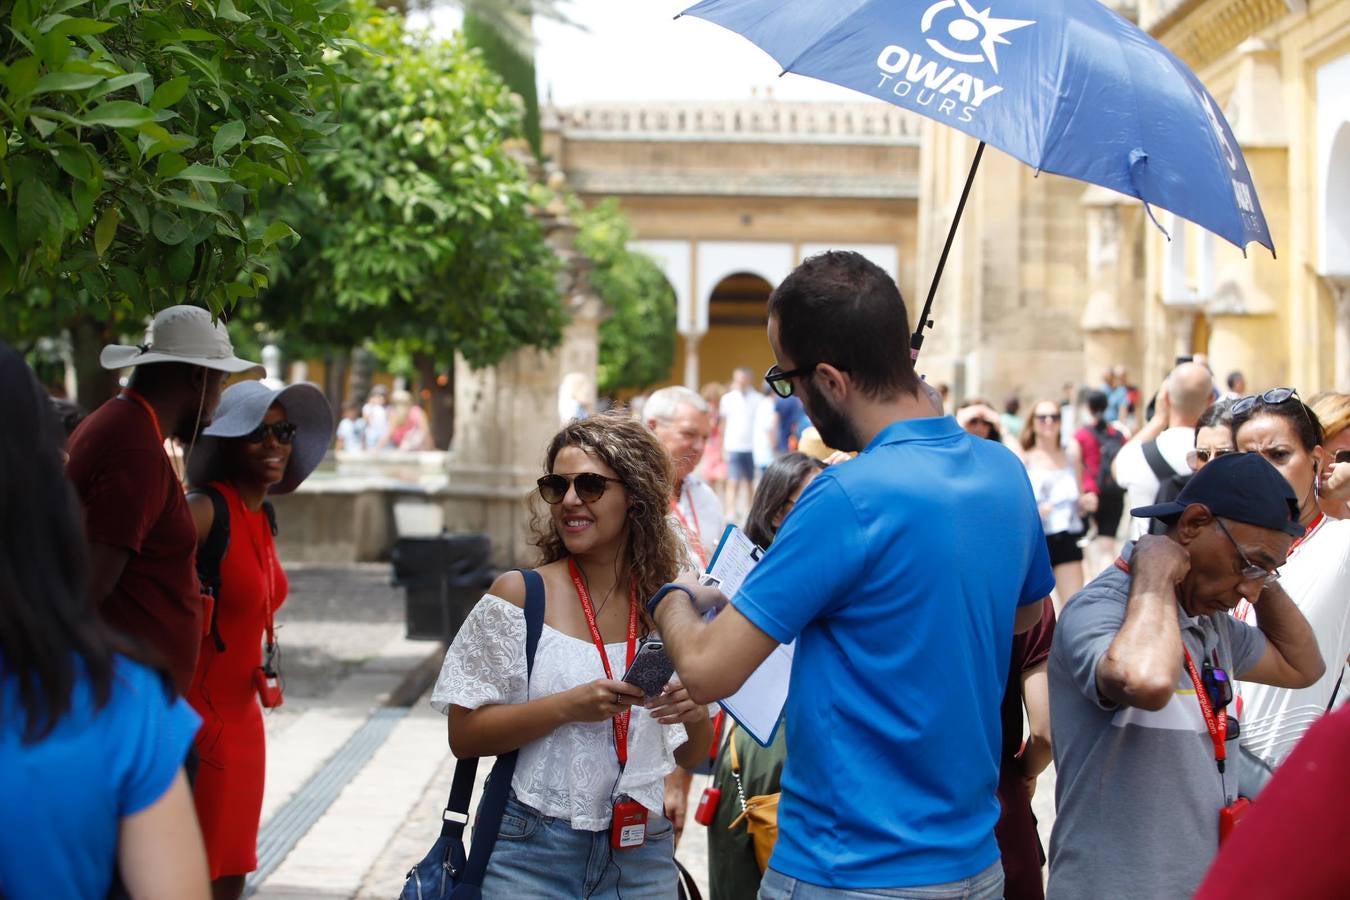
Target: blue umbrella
pixel 1066 86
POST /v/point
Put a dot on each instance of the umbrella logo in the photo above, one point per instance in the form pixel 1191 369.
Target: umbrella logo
pixel 972 29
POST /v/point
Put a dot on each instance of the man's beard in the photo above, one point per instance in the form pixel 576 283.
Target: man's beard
pixel 835 428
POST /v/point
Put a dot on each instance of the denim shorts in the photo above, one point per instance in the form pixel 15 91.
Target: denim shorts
pixel 541 856
pixel 986 885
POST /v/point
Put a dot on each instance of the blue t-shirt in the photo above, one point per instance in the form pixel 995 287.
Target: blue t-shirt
pixel 65 795
pixel 898 574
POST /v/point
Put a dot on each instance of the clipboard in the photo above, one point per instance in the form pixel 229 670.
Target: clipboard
pixel 758 706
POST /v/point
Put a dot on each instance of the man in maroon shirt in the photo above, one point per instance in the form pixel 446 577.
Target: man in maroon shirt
pixel 142 543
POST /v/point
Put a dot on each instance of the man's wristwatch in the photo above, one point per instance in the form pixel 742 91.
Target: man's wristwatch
pixel 661 595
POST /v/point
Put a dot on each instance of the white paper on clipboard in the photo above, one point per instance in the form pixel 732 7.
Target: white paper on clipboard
pixel 758 705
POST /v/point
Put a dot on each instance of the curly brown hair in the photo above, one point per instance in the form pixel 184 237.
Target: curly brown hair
pixel 643 466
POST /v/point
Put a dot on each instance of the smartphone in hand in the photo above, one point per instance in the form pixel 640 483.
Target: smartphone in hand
pixel 651 670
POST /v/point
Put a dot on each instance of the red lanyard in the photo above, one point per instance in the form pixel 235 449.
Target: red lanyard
pixel 135 397
pixel 693 535
pixel 1218 728
pixel 1315 524
pixel 622 719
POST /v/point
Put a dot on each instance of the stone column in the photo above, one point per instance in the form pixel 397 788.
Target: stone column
pixel 1113 286
pixel 691 372
pixel 506 415
pixel 1181 324
pixel 1340 295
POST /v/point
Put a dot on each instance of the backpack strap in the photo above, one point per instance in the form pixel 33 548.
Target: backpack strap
pixel 1162 469
pixel 212 552
pixel 498 787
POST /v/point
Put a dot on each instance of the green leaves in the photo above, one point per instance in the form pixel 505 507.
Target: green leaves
pixel 415 228
pixel 138 139
pixel 227 137
pixel 119 114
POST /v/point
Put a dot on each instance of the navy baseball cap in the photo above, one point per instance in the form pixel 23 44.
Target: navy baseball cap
pixel 1243 487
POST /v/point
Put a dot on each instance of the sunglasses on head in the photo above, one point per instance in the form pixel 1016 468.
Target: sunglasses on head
pixel 284 432
pixel 1272 397
pixel 590 486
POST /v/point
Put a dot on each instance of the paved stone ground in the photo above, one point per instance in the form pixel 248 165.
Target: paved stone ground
pixel 343 655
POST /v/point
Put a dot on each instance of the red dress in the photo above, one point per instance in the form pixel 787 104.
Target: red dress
pixel 231 743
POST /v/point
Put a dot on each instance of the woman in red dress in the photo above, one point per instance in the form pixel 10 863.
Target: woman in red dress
pixel 262 442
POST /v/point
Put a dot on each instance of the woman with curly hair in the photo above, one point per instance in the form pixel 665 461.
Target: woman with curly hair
pixel 605 545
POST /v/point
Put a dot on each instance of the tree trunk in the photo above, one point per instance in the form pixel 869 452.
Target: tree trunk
pixel 363 374
pixel 93 383
pixel 441 388
pixel 335 381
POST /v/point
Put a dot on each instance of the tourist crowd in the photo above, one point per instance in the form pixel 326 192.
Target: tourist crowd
pixel 1157 607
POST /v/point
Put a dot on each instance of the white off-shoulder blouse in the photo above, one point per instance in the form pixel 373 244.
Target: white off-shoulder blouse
pixel 573 772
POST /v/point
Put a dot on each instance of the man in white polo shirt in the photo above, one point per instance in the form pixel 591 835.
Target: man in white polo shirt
pixel 738 439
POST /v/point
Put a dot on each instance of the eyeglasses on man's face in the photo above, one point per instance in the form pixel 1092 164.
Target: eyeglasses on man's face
pixel 781 381
pixel 1250 570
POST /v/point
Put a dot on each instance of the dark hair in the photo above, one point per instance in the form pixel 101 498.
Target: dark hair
pixel 1097 402
pixel 49 636
pixel 1233 378
pixel 776 485
pixel 839 308
pixel 1216 415
pixel 642 464
pixel 1298 414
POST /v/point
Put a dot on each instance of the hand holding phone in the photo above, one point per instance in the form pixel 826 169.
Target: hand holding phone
pixel 651 668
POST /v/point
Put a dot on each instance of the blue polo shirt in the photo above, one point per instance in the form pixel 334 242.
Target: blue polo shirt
pixel 898 574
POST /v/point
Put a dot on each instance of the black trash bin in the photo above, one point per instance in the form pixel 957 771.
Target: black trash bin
pixel 442 578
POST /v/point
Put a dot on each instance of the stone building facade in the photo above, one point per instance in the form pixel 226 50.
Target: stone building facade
pixel 1281 71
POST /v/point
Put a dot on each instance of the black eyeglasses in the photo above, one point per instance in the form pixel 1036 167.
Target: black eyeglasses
pixel 590 486
pixel 284 432
pixel 1272 397
pixel 1250 570
pixel 781 381
pixel 1197 458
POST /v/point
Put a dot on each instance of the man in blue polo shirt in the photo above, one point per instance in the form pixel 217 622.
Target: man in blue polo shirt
pixel 902 575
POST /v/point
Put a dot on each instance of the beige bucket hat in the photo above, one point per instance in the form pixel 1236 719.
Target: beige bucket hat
pixel 181 334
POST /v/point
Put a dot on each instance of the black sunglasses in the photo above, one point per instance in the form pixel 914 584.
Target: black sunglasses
pixel 284 432
pixel 1217 684
pixel 1272 397
pixel 590 486
pixel 781 381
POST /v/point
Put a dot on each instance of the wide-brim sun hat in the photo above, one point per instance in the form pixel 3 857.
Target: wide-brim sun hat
pixel 181 334
pixel 242 409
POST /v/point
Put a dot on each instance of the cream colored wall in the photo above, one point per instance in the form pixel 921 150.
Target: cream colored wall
pixel 1290 338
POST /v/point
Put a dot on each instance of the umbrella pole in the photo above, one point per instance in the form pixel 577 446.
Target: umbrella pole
pixel 916 342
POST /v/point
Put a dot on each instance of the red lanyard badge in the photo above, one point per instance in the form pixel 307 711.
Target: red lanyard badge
pixel 622 719
pixel 1218 728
